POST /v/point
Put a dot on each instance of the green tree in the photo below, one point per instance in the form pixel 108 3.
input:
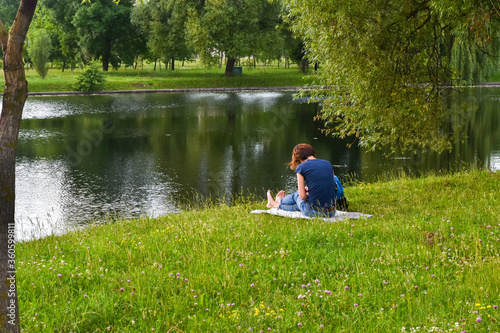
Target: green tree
pixel 39 51
pixel 66 48
pixel 271 40
pixel 232 27
pixel 101 25
pixel 164 22
pixel 8 10
pixel 385 63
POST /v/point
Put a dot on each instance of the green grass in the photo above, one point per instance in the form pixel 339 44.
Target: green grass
pixel 192 75
pixel 428 261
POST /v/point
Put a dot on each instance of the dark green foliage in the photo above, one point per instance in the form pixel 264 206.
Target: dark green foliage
pixel 91 79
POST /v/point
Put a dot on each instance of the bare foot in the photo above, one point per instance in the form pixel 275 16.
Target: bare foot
pixel 270 201
pixel 279 196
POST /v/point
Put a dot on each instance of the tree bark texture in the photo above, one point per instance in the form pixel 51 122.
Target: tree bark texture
pixel 15 94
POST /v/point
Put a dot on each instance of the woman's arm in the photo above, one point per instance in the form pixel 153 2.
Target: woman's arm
pixel 301 183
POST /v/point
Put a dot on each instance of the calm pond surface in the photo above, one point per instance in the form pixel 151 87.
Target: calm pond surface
pixel 84 158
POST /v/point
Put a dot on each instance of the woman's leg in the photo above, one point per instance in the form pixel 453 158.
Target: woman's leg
pixel 289 202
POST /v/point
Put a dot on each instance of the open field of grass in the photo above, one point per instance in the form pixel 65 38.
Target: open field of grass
pixel 191 75
pixel 428 261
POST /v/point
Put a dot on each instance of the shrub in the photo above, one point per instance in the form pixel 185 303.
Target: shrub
pixel 91 78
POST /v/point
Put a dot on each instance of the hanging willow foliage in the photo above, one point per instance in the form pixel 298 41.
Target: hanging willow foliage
pixel 386 64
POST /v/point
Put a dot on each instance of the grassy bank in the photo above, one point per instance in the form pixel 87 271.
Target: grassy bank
pixel 191 75
pixel 428 261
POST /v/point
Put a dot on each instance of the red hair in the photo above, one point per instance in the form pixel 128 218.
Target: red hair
pixel 300 153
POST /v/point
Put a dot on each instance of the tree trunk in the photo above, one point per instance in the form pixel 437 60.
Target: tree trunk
pixel 107 56
pixel 173 64
pixel 229 67
pixel 15 94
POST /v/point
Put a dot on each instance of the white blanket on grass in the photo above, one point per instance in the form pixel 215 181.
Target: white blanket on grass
pixel 339 215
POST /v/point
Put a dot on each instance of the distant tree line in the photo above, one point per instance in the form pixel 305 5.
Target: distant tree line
pixel 71 33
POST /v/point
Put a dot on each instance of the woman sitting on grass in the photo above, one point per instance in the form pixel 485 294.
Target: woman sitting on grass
pixel 318 198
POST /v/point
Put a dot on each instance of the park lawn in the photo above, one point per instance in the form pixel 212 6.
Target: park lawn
pixel 183 77
pixel 428 261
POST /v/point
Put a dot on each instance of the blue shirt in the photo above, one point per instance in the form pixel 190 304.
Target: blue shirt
pixel 318 175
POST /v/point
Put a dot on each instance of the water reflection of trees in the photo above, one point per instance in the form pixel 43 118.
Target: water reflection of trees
pixel 159 149
pixel 475 117
pixel 211 145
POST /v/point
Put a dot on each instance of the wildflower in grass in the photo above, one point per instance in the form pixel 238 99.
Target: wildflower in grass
pixel 402 295
pixel 299 324
pixel 85 296
pixel 252 285
pixel 479 319
pixel 346 287
pixel 495 306
pixel 59 275
pixel 122 290
pixel 321 326
pixel 416 287
pixel 360 295
pixel 355 304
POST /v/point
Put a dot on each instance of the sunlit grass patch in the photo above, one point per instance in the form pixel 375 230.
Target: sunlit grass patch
pixel 183 77
pixel 429 260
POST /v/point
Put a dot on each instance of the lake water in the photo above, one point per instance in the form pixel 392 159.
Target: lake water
pixel 81 159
